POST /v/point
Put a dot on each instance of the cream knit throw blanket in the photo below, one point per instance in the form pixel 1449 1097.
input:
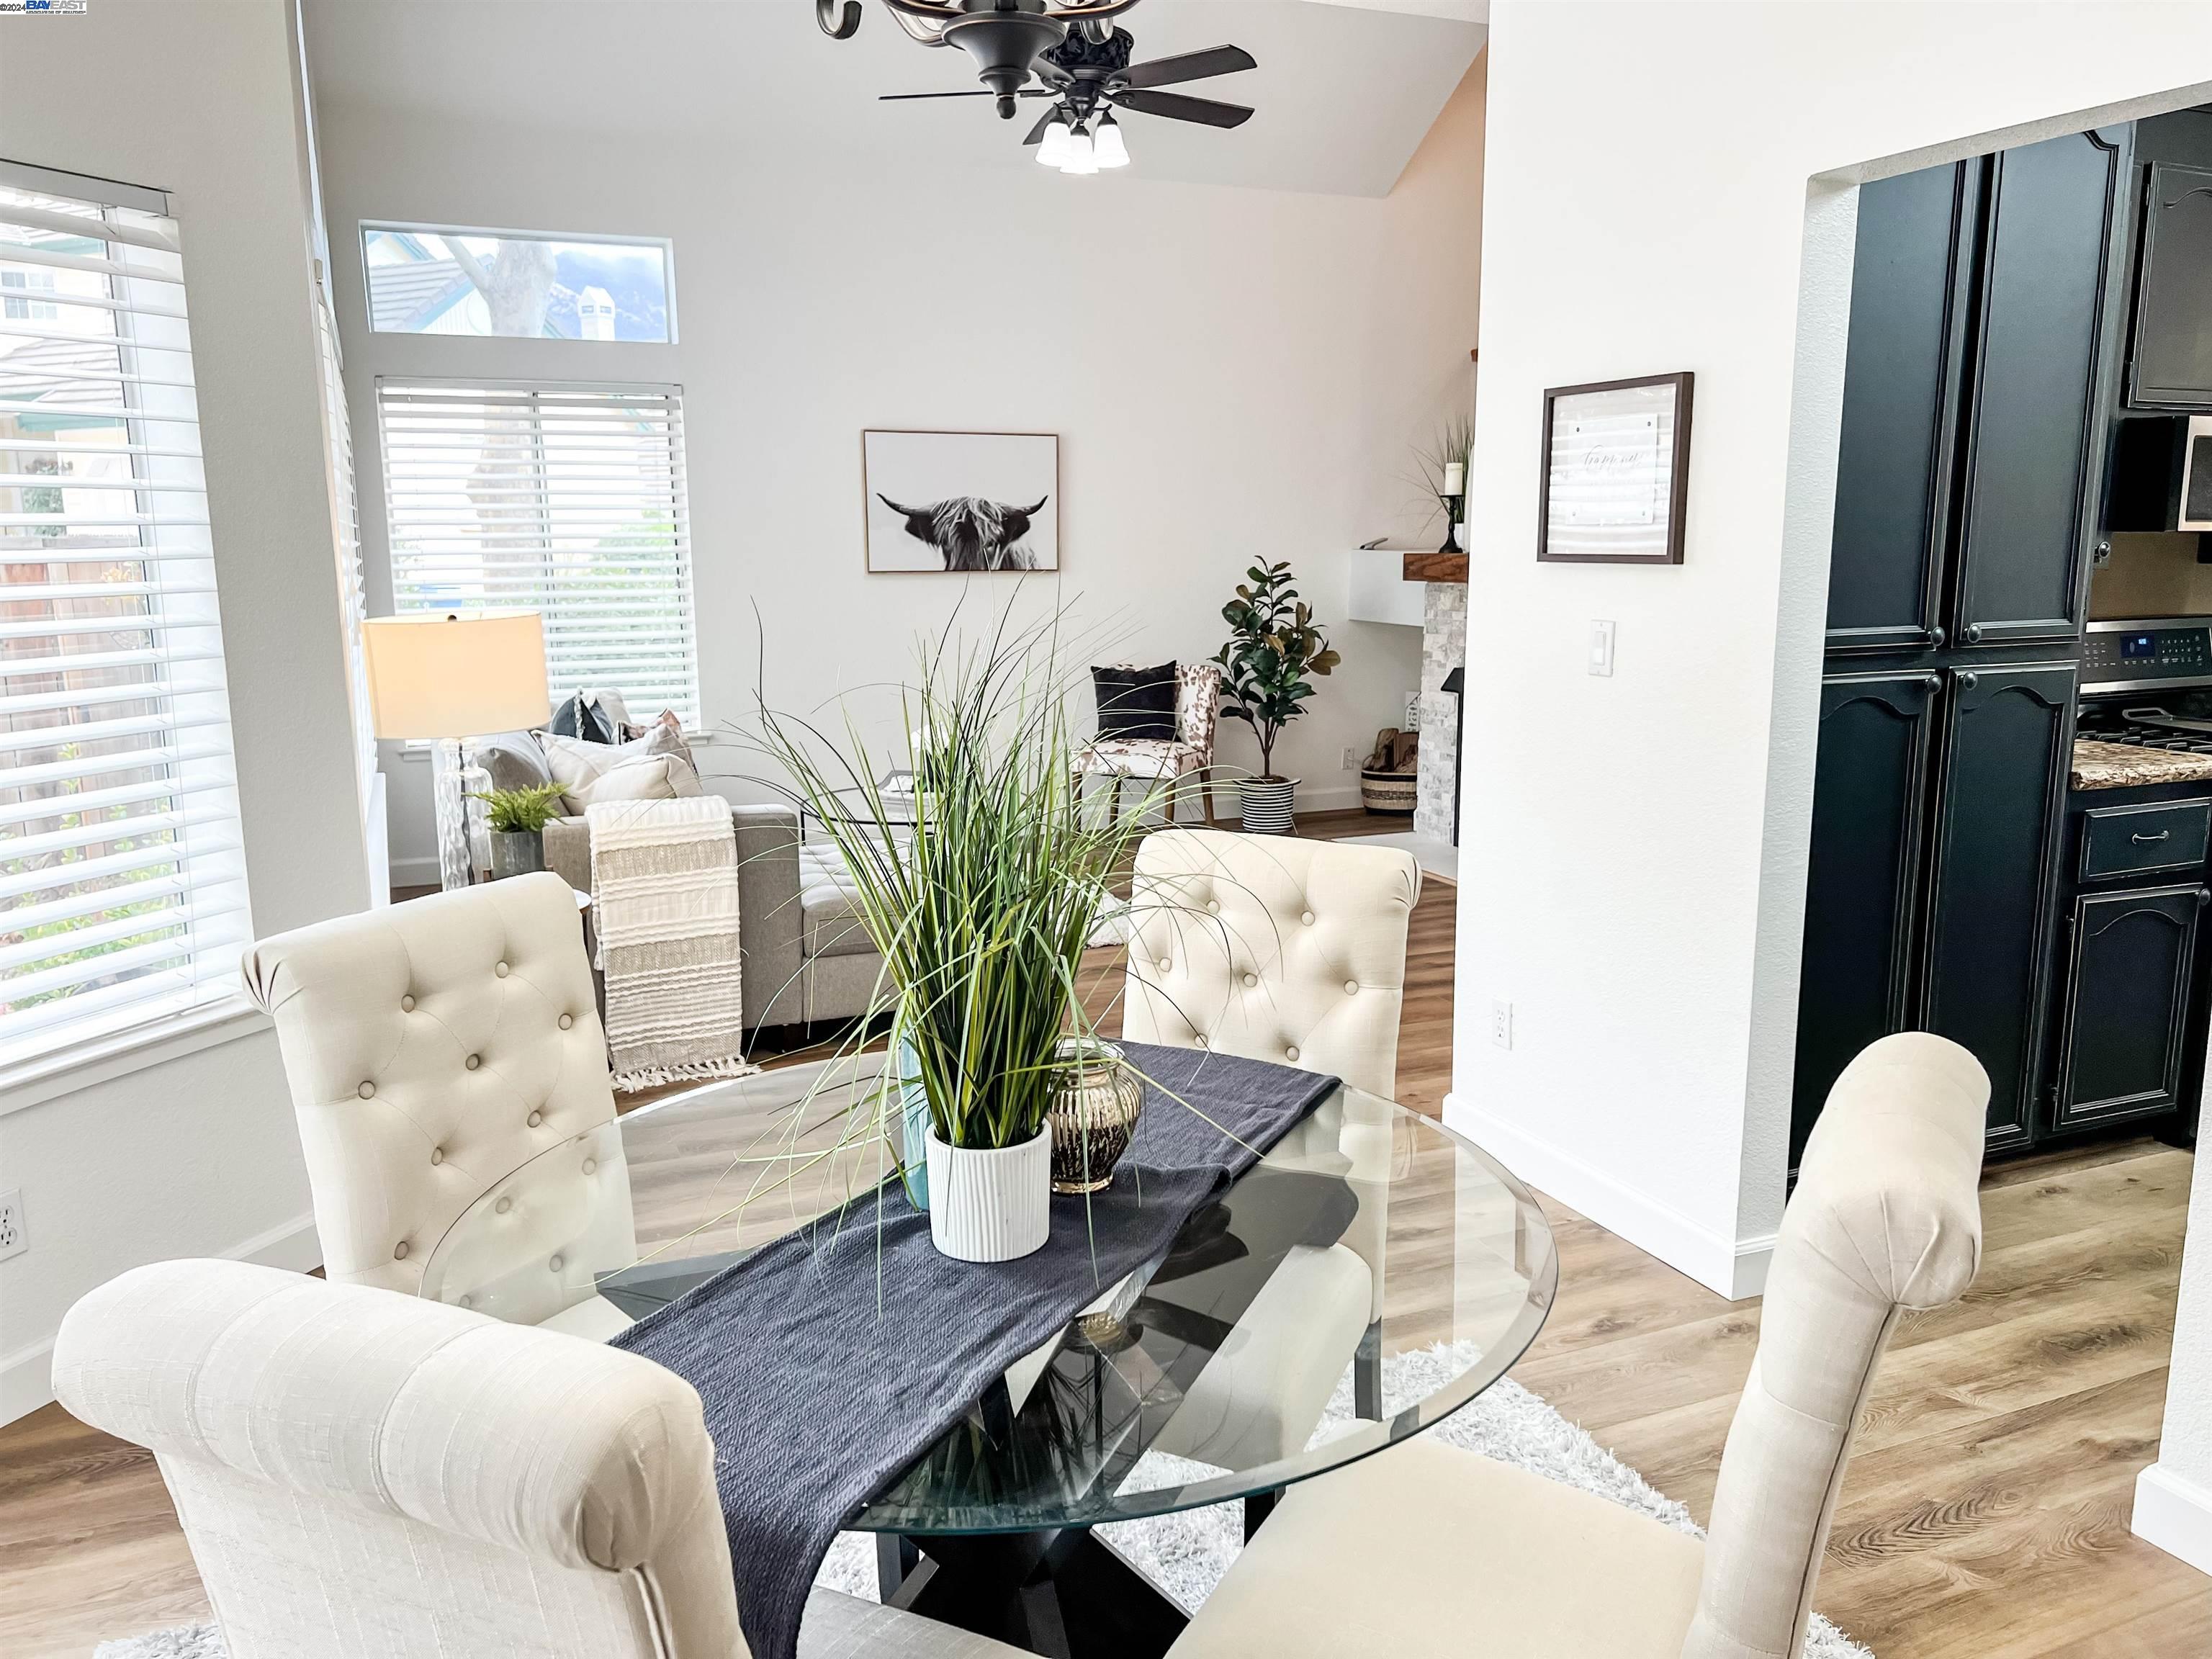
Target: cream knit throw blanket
pixel 665 909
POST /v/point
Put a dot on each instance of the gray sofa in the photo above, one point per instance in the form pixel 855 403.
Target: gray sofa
pixel 807 958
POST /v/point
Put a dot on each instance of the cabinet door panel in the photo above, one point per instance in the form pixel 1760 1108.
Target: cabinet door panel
pixel 2127 1006
pixel 2172 366
pixel 1900 378
pixel 1868 803
pixel 2037 422
pixel 1989 908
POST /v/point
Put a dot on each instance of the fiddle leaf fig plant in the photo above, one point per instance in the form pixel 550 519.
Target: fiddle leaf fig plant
pixel 1274 652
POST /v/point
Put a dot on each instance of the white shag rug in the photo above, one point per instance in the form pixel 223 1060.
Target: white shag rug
pixel 1186 1553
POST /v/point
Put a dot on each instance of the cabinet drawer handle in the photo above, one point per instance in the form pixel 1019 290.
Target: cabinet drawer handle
pixel 2150 841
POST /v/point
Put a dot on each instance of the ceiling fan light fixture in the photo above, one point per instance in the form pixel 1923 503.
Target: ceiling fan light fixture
pixel 1082 153
pixel 1106 146
pixel 1053 149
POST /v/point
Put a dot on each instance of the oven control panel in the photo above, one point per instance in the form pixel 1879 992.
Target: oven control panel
pixel 2118 656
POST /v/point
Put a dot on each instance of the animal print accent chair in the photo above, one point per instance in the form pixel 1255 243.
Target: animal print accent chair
pixel 1187 756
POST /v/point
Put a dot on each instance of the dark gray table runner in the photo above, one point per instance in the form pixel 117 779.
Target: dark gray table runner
pixel 832 1358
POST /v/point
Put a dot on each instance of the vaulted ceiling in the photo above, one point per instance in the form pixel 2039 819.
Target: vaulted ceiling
pixel 1344 91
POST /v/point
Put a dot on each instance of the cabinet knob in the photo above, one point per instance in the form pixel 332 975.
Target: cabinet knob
pixel 1967 682
pixel 1936 636
pixel 1933 682
pixel 2204 895
pixel 1973 633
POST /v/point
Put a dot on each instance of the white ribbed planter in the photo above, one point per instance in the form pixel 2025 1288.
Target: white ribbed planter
pixel 990 1203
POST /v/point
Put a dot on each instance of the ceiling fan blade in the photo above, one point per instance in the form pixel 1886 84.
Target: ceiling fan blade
pixel 1037 132
pixel 977 92
pixel 1178 106
pixel 1187 66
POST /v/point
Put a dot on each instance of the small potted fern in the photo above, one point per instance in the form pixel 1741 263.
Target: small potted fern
pixel 517 820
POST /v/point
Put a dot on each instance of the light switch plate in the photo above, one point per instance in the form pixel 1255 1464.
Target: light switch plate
pixel 1601 647
pixel 1413 711
pixel 13 1240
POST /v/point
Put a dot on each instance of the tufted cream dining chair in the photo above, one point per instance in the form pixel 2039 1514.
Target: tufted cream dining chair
pixel 1292 951
pixel 1425 1552
pixel 434 1048
pixel 367 1475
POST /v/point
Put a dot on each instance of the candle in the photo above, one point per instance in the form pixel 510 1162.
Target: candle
pixel 1455 478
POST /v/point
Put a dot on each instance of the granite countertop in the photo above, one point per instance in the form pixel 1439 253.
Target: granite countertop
pixel 2122 766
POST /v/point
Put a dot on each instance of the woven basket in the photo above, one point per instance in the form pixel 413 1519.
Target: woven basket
pixel 1394 792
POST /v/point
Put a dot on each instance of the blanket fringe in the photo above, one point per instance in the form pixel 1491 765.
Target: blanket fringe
pixel 653 1077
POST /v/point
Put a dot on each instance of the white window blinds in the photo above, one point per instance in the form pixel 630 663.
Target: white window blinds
pixel 122 882
pixel 564 500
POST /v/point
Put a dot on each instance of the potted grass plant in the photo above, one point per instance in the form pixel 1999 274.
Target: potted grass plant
pixel 982 889
pixel 516 819
pixel 1273 646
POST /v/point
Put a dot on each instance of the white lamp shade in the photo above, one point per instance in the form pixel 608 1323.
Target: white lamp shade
pixel 1052 148
pixel 442 674
pixel 1107 146
pixel 1081 158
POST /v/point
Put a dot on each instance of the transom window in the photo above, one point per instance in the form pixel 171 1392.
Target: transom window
pixel 446 279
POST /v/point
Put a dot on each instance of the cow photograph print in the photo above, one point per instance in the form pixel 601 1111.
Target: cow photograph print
pixel 962 501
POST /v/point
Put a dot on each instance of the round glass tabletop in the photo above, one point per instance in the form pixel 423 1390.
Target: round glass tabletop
pixel 1370 1276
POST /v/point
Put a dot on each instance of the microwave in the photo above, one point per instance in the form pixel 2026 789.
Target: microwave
pixel 2161 473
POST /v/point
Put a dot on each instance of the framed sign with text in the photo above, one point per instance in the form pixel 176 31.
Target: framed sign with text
pixel 1616 472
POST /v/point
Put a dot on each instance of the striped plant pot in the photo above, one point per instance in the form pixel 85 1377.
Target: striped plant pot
pixel 1388 792
pixel 990 1203
pixel 1265 805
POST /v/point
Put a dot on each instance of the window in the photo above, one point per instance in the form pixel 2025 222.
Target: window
pixel 18 307
pixel 446 279
pixel 564 500
pixel 122 881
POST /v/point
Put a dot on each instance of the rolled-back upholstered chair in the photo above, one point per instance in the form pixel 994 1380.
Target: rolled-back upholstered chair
pixel 1426 1550
pixel 437 1049
pixel 361 1474
pixel 1184 761
pixel 1292 951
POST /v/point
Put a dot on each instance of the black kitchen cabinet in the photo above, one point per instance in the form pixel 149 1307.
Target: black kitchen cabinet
pixel 2131 967
pixel 1876 742
pixel 2005 759
pixel 1910 293
pixel 2171 364
pixel 2036 416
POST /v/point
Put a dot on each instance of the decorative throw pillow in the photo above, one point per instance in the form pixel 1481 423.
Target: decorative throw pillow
pixel 512 759
pixel 594 716
pixel 578 766
pixel 1136 703
pixel 653 777
pixel 673 729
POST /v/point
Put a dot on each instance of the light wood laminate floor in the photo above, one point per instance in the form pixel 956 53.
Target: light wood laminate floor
pixel 1985 1515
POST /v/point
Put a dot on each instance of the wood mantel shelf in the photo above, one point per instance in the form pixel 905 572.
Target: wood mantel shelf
pixel 1435 567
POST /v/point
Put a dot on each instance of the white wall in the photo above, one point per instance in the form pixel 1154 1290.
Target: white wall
pixel 1634 853
pixel 197 1155
pixel 1236 374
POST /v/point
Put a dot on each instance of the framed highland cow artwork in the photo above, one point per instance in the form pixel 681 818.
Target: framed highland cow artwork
pixel 962 501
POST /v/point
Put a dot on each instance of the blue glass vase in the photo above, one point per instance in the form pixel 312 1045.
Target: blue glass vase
pixel 914 1126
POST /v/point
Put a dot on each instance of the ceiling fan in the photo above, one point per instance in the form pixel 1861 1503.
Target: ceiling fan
pixel 1076 50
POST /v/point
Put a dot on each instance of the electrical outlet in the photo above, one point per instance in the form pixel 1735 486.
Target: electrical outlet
pixel 1413 711
pixel 1501 1024
pixel 1349 761
pixel 13 1240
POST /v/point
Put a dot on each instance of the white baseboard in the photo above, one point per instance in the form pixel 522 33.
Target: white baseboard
pixel 1735 1270
pixel 26 1379
pixel 2175 1514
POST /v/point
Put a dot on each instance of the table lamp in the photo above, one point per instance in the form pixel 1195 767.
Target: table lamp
pixel 449 675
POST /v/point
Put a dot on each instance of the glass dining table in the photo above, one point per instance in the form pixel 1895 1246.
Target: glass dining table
pixel 1372 1274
